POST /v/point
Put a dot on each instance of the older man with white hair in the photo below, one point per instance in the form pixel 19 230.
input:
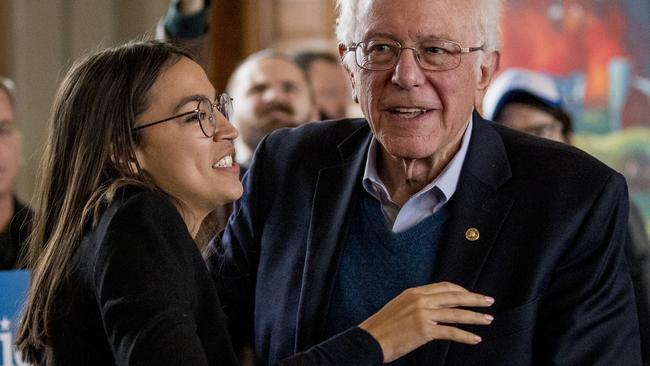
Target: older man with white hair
pixel 423 230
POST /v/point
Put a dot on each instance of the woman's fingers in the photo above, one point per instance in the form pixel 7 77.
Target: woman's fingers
pixel 426 300
pixel 446 294
pixel 454 299
pixel 460 316
pixel 454 334
pixel 422 314
pixel 437 287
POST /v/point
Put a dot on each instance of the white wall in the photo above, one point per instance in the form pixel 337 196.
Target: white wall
pixel 46 36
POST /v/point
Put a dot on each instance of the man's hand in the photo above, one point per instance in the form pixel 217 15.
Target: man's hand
pixel 190 7
pixel 414 318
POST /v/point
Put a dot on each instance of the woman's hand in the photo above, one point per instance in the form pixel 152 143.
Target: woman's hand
pixel 414 318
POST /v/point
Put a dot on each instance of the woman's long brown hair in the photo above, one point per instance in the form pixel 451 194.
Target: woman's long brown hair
pixel 89 154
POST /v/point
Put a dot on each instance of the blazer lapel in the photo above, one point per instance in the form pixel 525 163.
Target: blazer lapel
pixel 335 190
pixel 477 212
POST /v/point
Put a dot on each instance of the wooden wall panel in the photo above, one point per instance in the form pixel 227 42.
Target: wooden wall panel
pixel 5 41
pixel 227 25
pixel 295 19
pixel 240 28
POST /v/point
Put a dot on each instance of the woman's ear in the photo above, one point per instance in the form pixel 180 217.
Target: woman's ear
pixel 134 162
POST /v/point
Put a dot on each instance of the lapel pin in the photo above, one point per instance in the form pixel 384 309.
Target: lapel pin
pixel 472 234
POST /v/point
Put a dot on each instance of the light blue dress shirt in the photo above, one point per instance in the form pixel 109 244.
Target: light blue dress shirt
pixel 425 202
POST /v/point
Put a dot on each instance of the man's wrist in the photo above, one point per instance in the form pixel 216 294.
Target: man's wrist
pixel 181 23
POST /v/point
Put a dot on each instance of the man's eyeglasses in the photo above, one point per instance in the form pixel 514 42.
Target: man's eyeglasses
pixel 7 128
pixel 204 114
pixel 549 130
pixel 432 54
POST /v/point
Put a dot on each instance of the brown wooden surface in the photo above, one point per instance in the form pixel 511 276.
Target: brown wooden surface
pixel 5 27
pixel 227 27
pixel 246 26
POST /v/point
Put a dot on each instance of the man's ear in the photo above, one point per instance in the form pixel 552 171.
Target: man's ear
pixel 343 49
pixel 355 94
pixel 19 147
pixel 489 67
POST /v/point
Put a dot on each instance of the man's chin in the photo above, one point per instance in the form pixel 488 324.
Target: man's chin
pixel 275 123
pixel 409 150
pixel 5 190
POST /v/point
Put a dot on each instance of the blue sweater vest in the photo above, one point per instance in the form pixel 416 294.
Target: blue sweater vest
pixel 378 264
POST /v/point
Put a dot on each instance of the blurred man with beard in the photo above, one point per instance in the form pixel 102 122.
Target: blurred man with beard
pixel 269 92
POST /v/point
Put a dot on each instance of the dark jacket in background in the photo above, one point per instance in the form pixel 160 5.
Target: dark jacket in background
pixel 12 241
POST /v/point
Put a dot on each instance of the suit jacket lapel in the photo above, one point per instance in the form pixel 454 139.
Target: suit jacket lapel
pixel 477 204
pixel 335 190
pixel 477 212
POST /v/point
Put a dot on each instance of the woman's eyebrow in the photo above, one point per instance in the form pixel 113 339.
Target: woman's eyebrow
pixel 189 98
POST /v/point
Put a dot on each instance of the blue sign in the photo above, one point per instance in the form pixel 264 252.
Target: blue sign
pixel 13 293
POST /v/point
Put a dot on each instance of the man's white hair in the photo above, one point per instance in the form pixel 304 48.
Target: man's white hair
pixel 7 85
pixel 487 11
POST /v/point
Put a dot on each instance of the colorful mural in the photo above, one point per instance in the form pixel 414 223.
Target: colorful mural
pixel 598 52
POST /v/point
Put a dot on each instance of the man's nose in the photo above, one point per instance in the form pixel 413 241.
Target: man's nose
pixel 408 73
pixel 274 94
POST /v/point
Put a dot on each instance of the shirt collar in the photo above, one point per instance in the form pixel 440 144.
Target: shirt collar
pixel 446 182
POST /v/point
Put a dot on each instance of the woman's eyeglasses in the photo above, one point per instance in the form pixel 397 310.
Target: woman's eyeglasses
pixel 204 114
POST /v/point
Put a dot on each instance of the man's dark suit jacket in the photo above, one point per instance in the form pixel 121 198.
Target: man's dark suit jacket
pixel 551 220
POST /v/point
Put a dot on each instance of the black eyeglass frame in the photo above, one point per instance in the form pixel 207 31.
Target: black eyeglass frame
pixel 461 50
pixel 224 100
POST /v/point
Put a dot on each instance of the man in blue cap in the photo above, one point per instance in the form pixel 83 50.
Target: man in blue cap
pixel 529 102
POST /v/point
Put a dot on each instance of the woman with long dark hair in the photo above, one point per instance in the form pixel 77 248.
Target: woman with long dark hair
pixel 139 151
